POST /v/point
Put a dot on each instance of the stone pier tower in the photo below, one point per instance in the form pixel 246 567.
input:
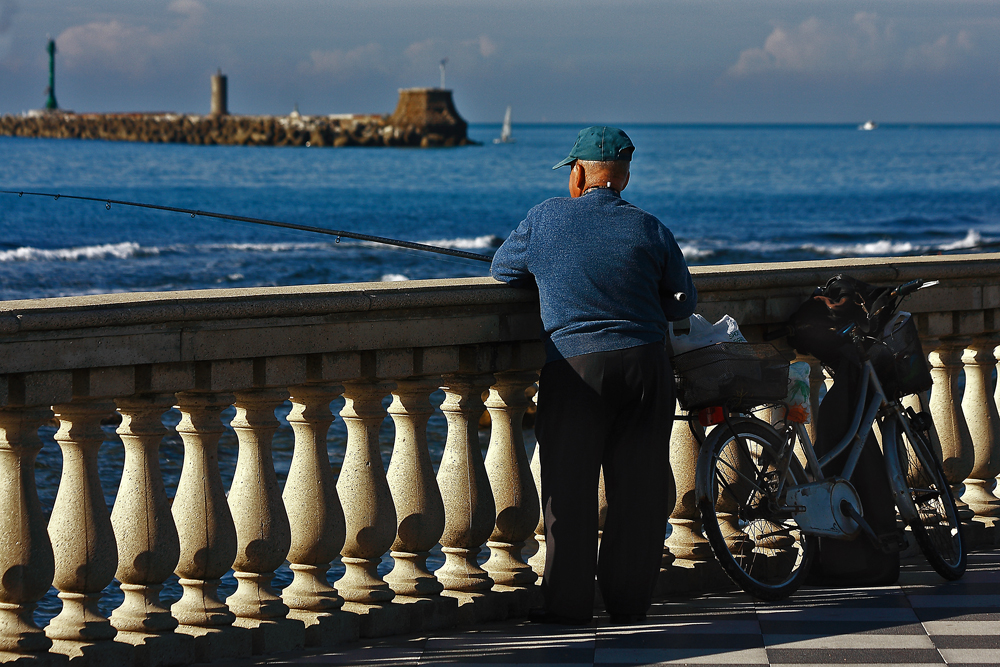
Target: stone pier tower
pixel 219 95
pixel 432 112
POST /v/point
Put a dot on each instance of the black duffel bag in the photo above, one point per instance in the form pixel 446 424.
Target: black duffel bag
pixel 817 328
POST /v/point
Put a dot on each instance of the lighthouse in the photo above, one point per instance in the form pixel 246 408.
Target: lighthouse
pixel 50 103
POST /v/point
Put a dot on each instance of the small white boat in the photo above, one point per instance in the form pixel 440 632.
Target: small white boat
pixel 868 125
pixel 505 136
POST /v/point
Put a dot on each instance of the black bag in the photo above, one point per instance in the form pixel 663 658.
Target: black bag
pixel 856 562
pixel 816 327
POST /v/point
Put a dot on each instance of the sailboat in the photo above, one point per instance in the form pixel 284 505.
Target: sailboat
pixel 505 137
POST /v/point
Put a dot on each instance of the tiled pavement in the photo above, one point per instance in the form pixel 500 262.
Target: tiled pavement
pixel 922 620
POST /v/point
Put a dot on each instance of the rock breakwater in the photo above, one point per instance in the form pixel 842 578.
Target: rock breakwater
pixel 228 130
pixel 424 117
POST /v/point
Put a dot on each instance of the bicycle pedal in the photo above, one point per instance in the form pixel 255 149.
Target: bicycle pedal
pixel 891 543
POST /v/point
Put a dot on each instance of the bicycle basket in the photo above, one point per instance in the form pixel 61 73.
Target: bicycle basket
pixel 899 359
pixel 738 375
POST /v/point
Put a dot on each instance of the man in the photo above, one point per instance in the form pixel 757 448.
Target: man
pixel 609 277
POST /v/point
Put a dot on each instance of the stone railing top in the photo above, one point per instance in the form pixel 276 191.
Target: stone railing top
pixel 878 270
pixel 715 283
pixel 259 302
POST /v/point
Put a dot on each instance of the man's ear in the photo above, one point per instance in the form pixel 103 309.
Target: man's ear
pixel 628 175
pixel 577 179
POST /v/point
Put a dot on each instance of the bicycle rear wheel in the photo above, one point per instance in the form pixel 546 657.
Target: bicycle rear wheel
pixel 741 495
pixel 936 525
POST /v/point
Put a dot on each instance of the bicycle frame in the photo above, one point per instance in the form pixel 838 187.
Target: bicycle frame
pixel 872 406
pixel 870 401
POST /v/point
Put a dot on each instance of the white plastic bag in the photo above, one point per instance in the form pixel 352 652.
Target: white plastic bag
pixel 703 333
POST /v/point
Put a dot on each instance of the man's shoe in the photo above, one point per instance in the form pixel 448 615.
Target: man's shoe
pixel 542 616
pixel 627 619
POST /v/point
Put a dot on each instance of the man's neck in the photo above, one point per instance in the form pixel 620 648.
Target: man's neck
pixel 591 188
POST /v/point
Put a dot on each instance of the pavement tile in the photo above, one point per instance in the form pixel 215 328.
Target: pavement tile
pixel 966 627
pixel 901 615
pixel 852 641
pixel 693 656
pixel 854 656
pixel 829 628
pixel 970 656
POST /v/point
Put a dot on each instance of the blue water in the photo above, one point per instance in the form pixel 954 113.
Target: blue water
pixel 729 193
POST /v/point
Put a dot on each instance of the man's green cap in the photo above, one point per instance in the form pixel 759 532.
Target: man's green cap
pixel 600 143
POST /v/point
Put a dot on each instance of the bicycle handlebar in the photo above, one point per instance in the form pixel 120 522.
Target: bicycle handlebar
pixel 907 288
pixel 883 307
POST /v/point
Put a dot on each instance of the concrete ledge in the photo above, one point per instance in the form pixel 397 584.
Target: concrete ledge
pixel 162 650
pixel 218 643
pixel 329 628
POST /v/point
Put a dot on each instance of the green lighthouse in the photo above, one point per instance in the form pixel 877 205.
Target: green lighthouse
pixel 50 103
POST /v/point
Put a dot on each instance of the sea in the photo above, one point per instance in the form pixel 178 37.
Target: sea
pixel 730 194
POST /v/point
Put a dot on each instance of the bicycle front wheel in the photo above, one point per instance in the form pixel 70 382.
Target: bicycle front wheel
pixel 741 497
pixel 936 525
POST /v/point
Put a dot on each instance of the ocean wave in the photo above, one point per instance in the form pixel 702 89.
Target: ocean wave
pixel 693 252
pixel 393 277
pixel 487 241
pixel 880 247
pixel 125 250
pixel 260 247
pixel 971 240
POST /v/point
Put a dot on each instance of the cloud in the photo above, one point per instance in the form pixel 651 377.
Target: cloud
pixel 941 54
pixel 112 46
pixel 192 9
pixel 420 50
pixel 865 43
pixel 122 48
pixel 487 47
pixel 344 65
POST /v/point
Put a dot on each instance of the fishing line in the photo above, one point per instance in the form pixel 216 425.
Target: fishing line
pixel 409 245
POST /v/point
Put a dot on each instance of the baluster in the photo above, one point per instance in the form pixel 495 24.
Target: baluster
pixel 510 479
pixel 263 535
pixel 996 401
pixel 984 428
pixel 206 531
pixel 688 555
pixel 957 452
pixel 368 509
pixel 27 564
pixel 83 541
pixel 537 561
pixel 316 517
pixel 148 546
pixel 465 487
pixel 415 493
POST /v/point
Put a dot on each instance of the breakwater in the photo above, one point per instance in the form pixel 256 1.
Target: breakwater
pixel 423 117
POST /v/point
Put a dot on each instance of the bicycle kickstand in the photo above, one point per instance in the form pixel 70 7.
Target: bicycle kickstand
pixel 888 543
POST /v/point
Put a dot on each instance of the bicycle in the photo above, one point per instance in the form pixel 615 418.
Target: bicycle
pixel 765 495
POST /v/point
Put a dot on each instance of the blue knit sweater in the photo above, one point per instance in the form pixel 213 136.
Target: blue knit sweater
pixel 606 273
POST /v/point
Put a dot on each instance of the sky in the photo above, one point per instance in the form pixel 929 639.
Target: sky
pixel 574 61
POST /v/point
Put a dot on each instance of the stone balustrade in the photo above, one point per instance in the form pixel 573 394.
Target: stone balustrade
pixel 225 362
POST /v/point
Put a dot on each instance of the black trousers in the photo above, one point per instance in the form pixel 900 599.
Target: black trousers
pixel 613 409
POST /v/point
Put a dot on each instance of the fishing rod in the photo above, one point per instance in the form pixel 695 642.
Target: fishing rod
pixel 410 245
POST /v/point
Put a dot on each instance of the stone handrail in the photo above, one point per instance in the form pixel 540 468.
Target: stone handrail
pixel 80 359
